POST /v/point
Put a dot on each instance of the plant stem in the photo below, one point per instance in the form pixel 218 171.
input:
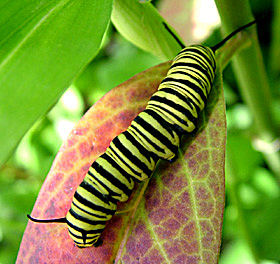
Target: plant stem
pixel 275 41
pixel 251 76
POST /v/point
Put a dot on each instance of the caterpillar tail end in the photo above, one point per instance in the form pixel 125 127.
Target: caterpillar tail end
pixel 57 220
pixel 31 218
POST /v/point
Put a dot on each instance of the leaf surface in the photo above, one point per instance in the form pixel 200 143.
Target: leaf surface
pixel 44 44
pixel 177 220
pixel 141 24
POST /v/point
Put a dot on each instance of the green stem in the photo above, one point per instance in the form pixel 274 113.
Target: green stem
pixel 275 41
pixel 251 76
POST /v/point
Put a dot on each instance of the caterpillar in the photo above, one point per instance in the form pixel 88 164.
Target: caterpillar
pixel 153 135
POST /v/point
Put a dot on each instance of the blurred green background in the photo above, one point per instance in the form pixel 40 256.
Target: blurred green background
pixel 252 212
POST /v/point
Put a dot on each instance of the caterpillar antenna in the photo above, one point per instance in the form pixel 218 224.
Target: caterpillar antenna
pixel 217 46
pixel 173 35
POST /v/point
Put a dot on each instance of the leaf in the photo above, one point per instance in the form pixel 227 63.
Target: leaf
pixel 44 45
pixel 142 25
pixel 180 216
pixel 180 219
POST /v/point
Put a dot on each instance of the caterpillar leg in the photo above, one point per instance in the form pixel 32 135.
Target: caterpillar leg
pixel 137 201
pixel 124 211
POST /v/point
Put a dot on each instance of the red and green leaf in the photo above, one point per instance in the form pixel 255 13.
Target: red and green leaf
pixel 176 219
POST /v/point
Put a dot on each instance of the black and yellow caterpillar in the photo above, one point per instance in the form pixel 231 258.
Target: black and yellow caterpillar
pixel 154 134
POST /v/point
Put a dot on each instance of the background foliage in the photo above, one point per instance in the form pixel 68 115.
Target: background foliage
pixel 251 228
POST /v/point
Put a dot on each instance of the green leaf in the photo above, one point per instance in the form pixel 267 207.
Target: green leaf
pixel 44 45
pixel 141 24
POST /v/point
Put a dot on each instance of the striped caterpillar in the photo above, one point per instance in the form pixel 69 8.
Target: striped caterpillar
pixel 153 135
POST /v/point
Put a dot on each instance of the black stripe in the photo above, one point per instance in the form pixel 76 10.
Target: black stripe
pixel 148 127
pixel 202 84
pixel 184 98
pixel 95 215
pixel 202 63
pixel 182 51
pixel 176 106
pixel 146 153
pixel 97 181
pixel 201 80
pixel 93 206
pixel 193 66
pixel 86 220
pixel 113 180
pixel 190 85
pixel 117 167
pixel 188 94
pixel 86 243
pixel 155 146
pixel 205 56
pixel 170 128
pixel 80 237
pixel 165 124
pixel 176 127
pixel 137 162
pixel 210 54
pixel 121 159
pixel 205 68
pixel 91 189
pixel 189 66
pixel 188 100
pixel 95 231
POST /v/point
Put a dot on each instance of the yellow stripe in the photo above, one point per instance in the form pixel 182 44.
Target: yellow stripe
pixel 125 161
pixel 174 139
pixel 119 161
pixel 95 200
pixel 122 196
pixel 177 100
pixel 88 209
pixel 189 93
pixel 77 233
pixel 88 216
pixel 83 225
